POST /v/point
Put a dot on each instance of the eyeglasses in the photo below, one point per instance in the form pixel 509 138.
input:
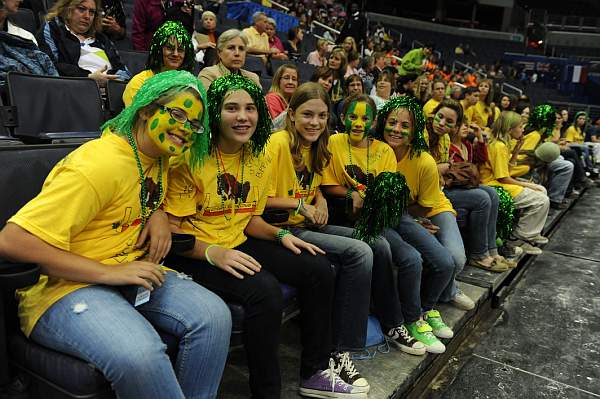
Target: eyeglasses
pixel 82 10
pixel 180 116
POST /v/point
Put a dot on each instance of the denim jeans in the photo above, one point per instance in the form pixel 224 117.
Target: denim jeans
pixel 583 152
pixel 561 172
pixel 98 325
pixel 482 205
pixel 438 264
pixel 354 261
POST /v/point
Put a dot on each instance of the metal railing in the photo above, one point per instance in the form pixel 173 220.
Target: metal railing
pixel 286 9
pixel 593 111
pixel 329 28
pixel 514 89
pixel 466 67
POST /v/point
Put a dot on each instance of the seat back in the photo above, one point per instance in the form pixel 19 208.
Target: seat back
pixel 114 93
pixel 305 72
pixel 255 64
pixel 55 107
pixel 26 19
pixel 134 60
pixel 275 64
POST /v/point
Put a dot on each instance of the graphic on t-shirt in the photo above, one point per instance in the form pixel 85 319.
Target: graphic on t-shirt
pixel 233 197
pixel 357 174
pixel 152 197
pixel 304 179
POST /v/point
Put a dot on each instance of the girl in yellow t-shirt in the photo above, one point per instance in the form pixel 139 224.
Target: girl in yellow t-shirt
pixel 529 198
pixel 240 256
pixel 485 112
pixel 481 203
pixel 575 137
pixel 356 161
pixel 299 155
pixel 401 124
pixel 82 230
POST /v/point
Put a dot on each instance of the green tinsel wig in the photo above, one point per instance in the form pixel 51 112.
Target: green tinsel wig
pixel 385 202
pixel 159 85
pixel 418 143
pixel 216 95
pixel 507 214
pixel 161 38
pixel 542 119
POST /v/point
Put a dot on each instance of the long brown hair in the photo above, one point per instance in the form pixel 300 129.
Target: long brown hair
pixel 320 155
pixel 434 139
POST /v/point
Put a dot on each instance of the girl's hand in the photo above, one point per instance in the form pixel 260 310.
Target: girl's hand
pixel 159 230
pixel 296 245
pixel 233 261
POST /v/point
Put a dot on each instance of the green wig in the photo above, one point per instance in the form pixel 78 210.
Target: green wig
pixel 161 38
pixel 385 203
pixel 418 143
pixel 164 84
pixel 216 95
pixel 542 119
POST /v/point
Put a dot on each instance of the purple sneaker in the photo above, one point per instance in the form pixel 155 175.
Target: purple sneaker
pixel 327 384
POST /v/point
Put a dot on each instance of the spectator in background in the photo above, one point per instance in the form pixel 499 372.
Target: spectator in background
pixel 285 83
pixel 8 8
pixel 292 45
pixel 470 98
pixel 317 57
pixel 275 41
pixel 405 85
pixel 231 51
pixel 337 62
pixel 171 49
pixel 459 50
pixel 379 58
pixel 323 76
pixel 423 89
pixel 352 67
pixel 384 88
pixel 72 38
pixel 437 95
pixel 113 19
pixel 507 103
pixel 456 92
pixel 415 60
pixel 205 39
pixel 147 17
pixel 355 25
pixel 349 45
pixel 258 40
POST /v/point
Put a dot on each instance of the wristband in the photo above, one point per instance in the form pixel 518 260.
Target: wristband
pixel 300 206
pixel 349 194
pixel 208 259
pixel 282 233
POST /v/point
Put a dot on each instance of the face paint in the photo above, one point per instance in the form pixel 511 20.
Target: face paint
pixel 448 116
pixel 358 120
pixel 398 128
pixel 169 135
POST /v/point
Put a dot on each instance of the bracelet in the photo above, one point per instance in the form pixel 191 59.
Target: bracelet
pixel 208 259
pixel 349 194
pixel 282 233
pixel 300 206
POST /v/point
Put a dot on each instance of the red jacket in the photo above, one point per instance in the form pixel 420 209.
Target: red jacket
pixel 477 153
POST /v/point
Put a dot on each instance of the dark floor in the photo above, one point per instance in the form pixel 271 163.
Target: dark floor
pixel 546 344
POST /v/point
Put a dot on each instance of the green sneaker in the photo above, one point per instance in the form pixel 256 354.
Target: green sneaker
pixel 440 329
pixel 422 332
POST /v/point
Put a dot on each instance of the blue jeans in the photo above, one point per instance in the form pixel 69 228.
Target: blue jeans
pixel 482 205
pixel 121 341
pixel 438 264
pixel 353 260
pixel 561 173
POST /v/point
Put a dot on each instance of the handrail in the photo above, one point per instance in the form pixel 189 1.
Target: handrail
pixel 508 85
pixel 337 32
pixel 469 68
pixel 280 6
pixel 321 37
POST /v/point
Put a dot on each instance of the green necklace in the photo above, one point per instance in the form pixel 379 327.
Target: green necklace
pixel 351 164
pixel 229 184
pixel 145 212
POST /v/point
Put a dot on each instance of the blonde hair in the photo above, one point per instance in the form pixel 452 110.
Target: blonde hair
pixel 501 128
pixel 275 87
pixel 208 14
pixel 64 8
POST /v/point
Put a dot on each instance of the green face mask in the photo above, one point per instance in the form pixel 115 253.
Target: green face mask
pixel 358 120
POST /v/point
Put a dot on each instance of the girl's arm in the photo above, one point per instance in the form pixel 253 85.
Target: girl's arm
pixel 262 230
pixel 510 180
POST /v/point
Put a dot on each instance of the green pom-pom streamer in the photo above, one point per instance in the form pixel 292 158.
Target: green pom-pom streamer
pixel 542 119
pixel 216 95
pixel 418 143
pixel 507 214
pixel 159 85
pixel 385 202
pixel 161 38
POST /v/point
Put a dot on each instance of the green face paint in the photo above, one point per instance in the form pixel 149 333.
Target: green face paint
pixel 358 120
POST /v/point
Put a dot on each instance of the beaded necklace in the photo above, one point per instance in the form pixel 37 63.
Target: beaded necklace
pixel 351 164
pixel 229 188
pixel 145 212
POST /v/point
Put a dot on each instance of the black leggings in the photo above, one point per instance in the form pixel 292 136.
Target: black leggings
pixel 261 297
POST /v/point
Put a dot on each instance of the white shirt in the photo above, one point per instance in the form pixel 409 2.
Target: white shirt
pixel 20 32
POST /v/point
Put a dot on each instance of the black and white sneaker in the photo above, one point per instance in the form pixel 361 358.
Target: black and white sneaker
pixel 403 340
pixel 345 369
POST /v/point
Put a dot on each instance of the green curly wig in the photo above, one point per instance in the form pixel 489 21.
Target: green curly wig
pixel 159 85
pixel 216 95
pixel 161 38
pixel 542 119
pixel 418 143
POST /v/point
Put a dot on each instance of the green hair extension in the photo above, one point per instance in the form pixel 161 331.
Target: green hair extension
pixel 161 38
pixel 542 119
pixel 418 143
pixel 507 214
pixel 159 85
pixel 385 202
pixel 216 95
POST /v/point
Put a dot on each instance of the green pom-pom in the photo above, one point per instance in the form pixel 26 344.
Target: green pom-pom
pixel 542 119
pixel 507 214
pixel 385 203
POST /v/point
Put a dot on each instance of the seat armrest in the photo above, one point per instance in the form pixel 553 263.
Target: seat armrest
pixel 17 275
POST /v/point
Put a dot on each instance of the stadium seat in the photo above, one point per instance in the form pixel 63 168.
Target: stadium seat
pixel 26 19
pixel 114 94
pixel 134 60
pixel 256 65
pixel 275 64
pixel 305 71
pixel 266 84
pixel 62 107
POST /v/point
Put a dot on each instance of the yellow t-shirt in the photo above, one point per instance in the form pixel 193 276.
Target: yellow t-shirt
pixel 355 173
pixel 134 85
pixel 429 107
pixel 530 143
pixel 217 202
pixel 468 112
pixel 574 135
pixel 482 113
pixel 288 182
pixel 90 206
pixel 496 167
pixel 422 177
pixel 256 40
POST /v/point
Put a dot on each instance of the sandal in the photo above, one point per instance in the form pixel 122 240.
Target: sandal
pixel 496 266
pixel 511 264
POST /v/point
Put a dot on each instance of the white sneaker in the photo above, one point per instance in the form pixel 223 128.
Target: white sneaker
pixel 530 249
pixel 539 240
pixel 462 301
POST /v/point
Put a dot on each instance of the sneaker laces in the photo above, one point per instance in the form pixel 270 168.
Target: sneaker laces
pixel 346 364
pixel 405 334
pixel 332 375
